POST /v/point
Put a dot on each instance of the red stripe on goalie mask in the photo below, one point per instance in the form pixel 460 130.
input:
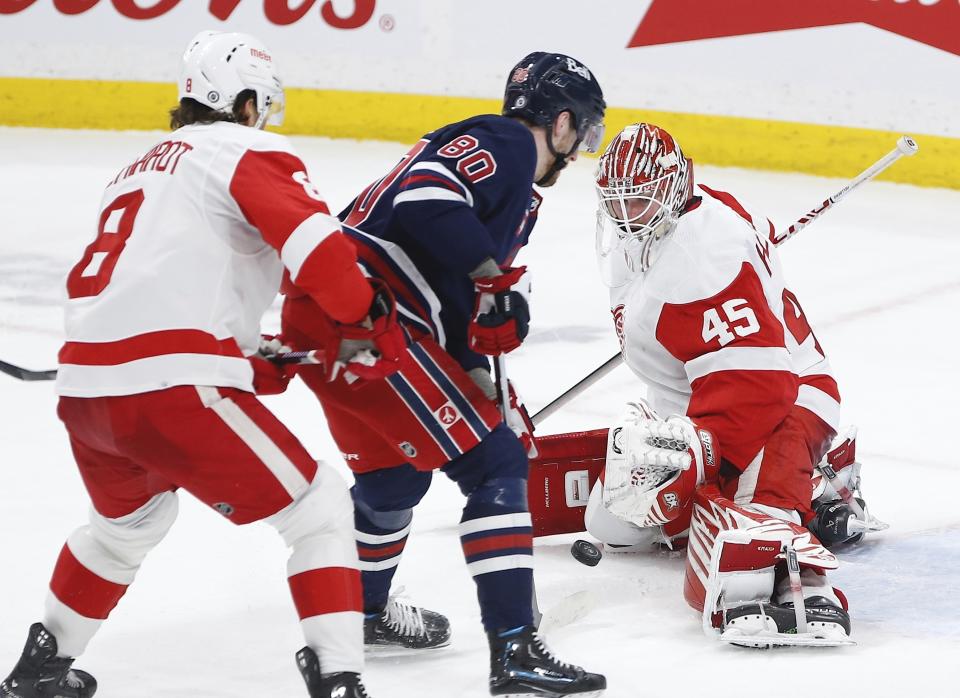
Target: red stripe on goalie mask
pixel 83 591
pixel 326 590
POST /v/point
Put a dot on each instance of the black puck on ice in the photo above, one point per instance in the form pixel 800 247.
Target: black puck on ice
pixel 586 552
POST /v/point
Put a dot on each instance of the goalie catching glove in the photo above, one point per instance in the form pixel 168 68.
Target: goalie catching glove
pixel 654 465
pixel 501 312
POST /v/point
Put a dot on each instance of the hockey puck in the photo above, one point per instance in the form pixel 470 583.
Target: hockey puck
pixel 586 552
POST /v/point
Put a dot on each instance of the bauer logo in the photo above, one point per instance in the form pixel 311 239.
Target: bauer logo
pixel 931 22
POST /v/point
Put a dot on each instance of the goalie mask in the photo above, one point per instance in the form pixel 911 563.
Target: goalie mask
pixel 643 183
pixel 217 66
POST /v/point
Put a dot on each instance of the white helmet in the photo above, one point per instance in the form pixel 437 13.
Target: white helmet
pixel 217 66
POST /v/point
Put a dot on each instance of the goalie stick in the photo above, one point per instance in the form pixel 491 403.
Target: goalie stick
pixel 905 146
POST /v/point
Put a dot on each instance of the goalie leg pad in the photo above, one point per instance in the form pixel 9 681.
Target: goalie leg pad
pixel 734 552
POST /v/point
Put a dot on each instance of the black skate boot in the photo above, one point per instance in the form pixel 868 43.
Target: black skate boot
pixel 343 684
pixel 40 673
pixel 759 623
pixel 401 625
pixel 521 665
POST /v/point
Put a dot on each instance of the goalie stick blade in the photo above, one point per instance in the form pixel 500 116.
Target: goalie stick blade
pixel 567 610
pixel 25 374
pixel 769 640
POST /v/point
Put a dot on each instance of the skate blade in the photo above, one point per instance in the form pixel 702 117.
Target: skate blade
pixel 768 640
pixel 568 610
pixel 388 651
pixel 550 694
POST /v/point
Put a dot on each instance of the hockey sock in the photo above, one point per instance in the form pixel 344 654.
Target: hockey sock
pixel 497 538
pixel 322 571
pixel 380 549
pixel 95 567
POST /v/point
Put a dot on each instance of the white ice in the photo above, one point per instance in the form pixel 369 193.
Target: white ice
pixel 209 615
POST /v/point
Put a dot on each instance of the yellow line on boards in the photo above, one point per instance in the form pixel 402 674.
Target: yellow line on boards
pixel 831 151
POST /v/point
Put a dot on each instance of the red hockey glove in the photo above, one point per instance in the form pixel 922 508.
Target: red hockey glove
pixel 270 378
pixel 501 314
pixel 518 419
pixel 370 349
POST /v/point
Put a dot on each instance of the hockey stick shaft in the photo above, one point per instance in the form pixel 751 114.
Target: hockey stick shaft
pixel 568 395
pixel 25 374
pixel 906 146
pixel 503 397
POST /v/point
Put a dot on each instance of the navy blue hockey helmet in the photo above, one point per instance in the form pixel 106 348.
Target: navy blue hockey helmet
pixel 543 85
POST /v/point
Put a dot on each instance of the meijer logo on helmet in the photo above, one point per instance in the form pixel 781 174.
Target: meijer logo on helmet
pixel 932 22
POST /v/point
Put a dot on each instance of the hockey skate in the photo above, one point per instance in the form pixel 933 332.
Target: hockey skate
pixel 40 673
pixel 343 684
pixel 765 625
pixel 521 665
pixel 403 626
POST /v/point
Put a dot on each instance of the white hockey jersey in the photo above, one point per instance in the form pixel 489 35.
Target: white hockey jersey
pixel 192 241
pixel 715 333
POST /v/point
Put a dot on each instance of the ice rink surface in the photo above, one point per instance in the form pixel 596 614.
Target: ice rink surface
pixel 210 616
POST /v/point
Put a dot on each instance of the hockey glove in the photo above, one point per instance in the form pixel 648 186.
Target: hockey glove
pixel 518 419
pixel 372 348
pixel 653 466
pixel 270 378
pixel 501 313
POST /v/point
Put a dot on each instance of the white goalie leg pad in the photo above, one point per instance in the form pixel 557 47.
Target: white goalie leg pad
pixel 733 551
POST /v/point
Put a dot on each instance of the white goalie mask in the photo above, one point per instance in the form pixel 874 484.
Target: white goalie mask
pixel 643 183
pixel 217 66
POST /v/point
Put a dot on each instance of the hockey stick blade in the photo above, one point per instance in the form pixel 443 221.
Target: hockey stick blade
pixel 25 374
pixel 567 610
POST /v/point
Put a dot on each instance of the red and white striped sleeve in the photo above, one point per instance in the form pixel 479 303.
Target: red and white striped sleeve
pixel 277 198
pixel 733 350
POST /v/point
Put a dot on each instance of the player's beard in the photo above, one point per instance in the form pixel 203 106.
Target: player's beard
pixel 552 179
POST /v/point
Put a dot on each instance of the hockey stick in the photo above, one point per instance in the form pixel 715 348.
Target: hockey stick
pixel 503 396
pixel 25 374
pixel 568 395
pixel 905 146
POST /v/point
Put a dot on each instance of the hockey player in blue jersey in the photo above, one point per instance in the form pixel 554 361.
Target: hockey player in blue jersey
pixel 441 230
